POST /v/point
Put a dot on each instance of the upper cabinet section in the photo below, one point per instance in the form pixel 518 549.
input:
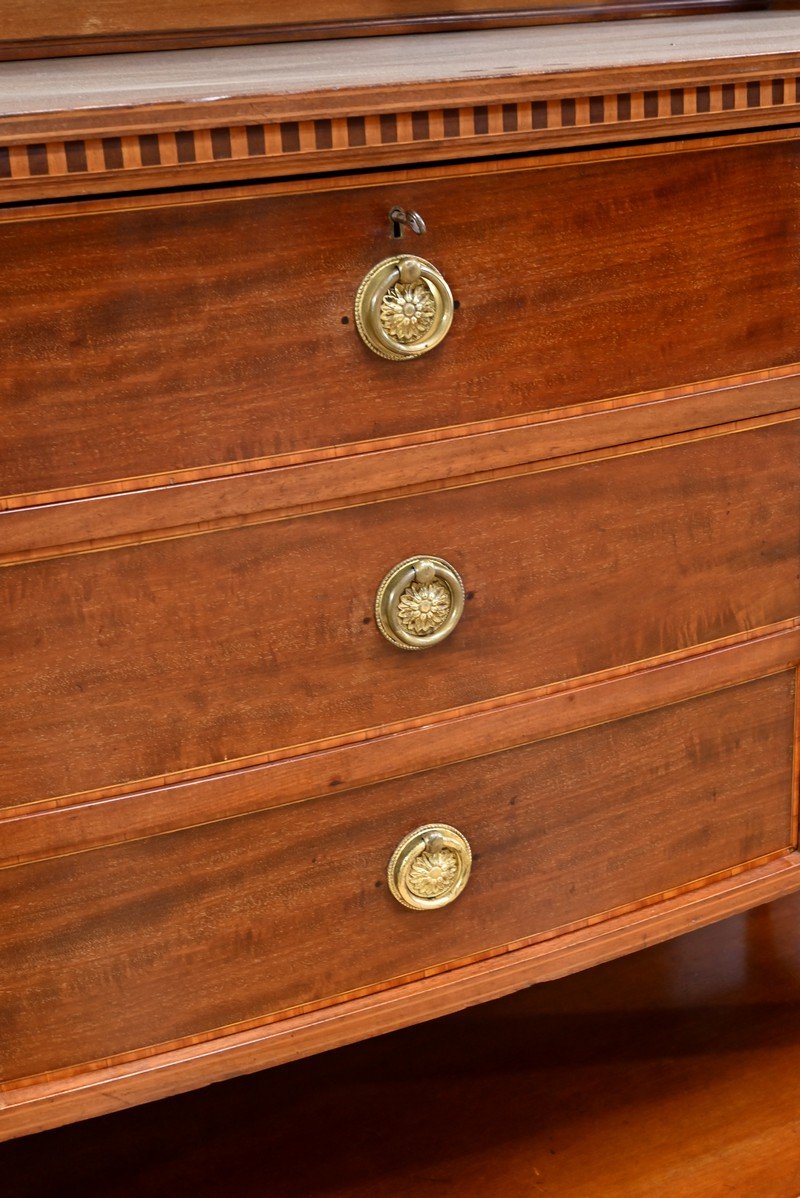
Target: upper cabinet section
pixel 83 126
pixel 64 27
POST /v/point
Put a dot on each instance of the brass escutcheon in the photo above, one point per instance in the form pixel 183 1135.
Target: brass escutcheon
pixel 404 308
pixel 419 602
pixel 430 867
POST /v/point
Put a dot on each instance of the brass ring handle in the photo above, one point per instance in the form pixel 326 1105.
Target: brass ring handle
pixel 404 308
pixel 419 602
pixel 430 867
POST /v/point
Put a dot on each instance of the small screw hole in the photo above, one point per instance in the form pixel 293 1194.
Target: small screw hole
pixel 345 320
pixel 456 303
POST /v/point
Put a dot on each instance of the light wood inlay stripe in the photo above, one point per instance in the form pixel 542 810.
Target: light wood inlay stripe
pixel 405 129
pixel 313 140
pixel 18 157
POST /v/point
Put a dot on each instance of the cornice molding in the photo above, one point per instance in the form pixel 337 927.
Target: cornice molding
pixel 157 146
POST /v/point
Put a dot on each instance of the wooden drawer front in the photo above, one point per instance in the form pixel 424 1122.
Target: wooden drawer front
pixel 121 947
pixel 152 659
pixel 575 283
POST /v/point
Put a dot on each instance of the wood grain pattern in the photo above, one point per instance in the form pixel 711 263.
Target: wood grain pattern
pixel 37 525
pixel 342 107
pixel 108 1088
pixel 142 661
pixel 672 1071
pixel 216 352
pixel 217 926
pixel 209 474
pixel 53 828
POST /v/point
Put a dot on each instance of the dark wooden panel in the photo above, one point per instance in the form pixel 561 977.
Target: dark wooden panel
pixel 107 951
pixel 140 341
pixel 147 660
pixel 68 18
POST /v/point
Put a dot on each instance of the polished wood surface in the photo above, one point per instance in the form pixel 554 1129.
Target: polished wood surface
pixel 99 516
pixel 241 307
pixel 671 1072
pixel 103 1088
pixel 81 822
pixel 180 653
pixel 183 935
pixel 211 752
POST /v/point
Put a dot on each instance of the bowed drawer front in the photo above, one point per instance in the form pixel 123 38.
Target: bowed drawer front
pixel 213 648
pixel 184 934
pixel 147 339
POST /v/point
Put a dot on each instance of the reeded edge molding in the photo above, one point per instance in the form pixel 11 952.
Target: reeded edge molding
pixel 94 151
pixel 79 823
pixel 49 1101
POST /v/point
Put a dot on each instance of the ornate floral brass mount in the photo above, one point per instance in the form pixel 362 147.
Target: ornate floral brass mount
pixel 419 602
pixel 430 867
pixel 404 308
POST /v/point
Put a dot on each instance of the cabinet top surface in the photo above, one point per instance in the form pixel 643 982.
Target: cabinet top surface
pixel 192 76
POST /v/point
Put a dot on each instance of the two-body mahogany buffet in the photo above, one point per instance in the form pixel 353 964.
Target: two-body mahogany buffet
pixel 400 533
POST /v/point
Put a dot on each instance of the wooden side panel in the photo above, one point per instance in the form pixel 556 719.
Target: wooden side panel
pixel 112 950
pixel 138 341
pixel 148 660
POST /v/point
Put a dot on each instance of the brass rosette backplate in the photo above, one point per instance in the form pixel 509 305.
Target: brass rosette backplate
pixel 430 867
pixel 419 602
pixel 404 308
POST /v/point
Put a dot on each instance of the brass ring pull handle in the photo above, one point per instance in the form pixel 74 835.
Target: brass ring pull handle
pixel 404 308
pixel 430 867
pixel 419 602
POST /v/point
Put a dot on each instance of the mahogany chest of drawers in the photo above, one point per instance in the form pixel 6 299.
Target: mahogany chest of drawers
pixel 400 541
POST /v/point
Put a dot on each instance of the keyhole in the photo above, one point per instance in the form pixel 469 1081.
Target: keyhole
pixel 402 220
